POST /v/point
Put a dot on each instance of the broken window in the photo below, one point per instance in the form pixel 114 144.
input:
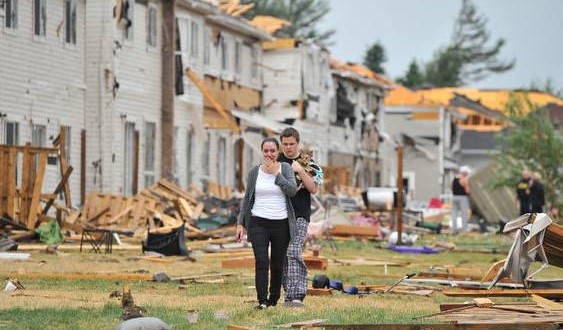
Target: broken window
pixel 194 39
pixel 344 107
pixel 206 45
pixel 152 29
pixel 150 139
pixel 12 133
pixel 128 16
pixel 237 57
pixel 40 17
pixel 224 54
pixel 70 21
pixel 11 13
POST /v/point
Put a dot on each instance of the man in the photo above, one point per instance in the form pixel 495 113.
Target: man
pixel 537 194
pixel 460 200
pixel 309 177
pixel 523 192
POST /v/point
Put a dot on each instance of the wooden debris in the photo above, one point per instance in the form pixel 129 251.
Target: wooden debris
pixel 546 293
pixel 319 292
pixel 547 304
pixel 248 262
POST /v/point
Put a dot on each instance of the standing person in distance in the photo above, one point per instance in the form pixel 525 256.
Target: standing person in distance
pixel 460 200
pixel 523 191
pixel 309 177
pixel 267 215
pixel 537 194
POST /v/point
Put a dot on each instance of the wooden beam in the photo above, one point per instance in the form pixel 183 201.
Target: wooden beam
pixel 58 189
pixel 36 197
pixel 546 293
pixel 207 95
pixel 248 262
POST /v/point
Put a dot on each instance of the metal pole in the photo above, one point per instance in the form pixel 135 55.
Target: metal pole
pixel 399 194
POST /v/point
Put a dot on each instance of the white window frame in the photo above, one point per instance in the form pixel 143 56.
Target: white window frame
pixel 69 11
pixel 11 16
pixel 222 161
pixel 254 59
pixel 206 46
pixel 152 26
pixel 12 133
pixel 40 18
pixel 224 53
pixel 194 39
pixel 38 135
pixel 149 154
pixel 190 152
pixel 238 57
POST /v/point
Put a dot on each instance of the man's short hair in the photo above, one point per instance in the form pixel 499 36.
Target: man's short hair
pixel 289 132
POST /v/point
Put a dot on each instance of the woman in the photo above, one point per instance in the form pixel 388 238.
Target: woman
pixel 266 213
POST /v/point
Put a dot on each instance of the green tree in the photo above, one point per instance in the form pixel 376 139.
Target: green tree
pixel 470 56
pixel 375 57
pixel 445 68
pixel 414 76
pixel 531 142
pixel 304 16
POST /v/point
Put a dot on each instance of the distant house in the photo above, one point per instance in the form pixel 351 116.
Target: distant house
pixel 354 137
pixel 485 116
pixel 426 130
pixel 299 90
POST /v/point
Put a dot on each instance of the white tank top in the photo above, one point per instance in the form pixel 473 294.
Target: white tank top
pixel 269 199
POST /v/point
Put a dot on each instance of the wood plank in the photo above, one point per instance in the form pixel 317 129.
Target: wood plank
pixel 36 197
pixel 25 184
pixel 12 178
pixel 248 262
pixel 493 270
pixel 209 98
pixel 547 304
pixel 352 230
pixel 318 292
pixel 58 189
pixel 546 293
pixel 439 326
pixel 85 276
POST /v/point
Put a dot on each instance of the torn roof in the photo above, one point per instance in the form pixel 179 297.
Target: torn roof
pixel 269 24
pixel 400 96
pixel 229 18
pixel 492 99
pixel 358 72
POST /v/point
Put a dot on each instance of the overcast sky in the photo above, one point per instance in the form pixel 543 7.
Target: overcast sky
pixel 409 29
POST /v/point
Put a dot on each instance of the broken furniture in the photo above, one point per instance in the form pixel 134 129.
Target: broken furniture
pixel 100 238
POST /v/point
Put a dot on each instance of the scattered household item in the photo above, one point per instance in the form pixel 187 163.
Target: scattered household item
pixel 413 249
pixel 321 281
pixel 144 323
pixel 172 243
pixel 408 239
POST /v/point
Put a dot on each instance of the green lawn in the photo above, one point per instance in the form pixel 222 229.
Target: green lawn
pixel 55 303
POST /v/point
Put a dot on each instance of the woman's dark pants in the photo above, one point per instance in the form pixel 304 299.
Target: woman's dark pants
pixel 263 233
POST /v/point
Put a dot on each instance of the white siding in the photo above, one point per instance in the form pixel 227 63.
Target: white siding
pixel 42 81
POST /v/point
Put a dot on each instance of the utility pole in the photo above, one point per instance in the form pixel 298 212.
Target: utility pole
pixel 399 223
pixel 168 87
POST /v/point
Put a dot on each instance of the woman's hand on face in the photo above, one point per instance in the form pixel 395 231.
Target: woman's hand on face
pixel 270 166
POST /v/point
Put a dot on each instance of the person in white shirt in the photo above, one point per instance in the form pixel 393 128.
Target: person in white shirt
pixel 267 216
